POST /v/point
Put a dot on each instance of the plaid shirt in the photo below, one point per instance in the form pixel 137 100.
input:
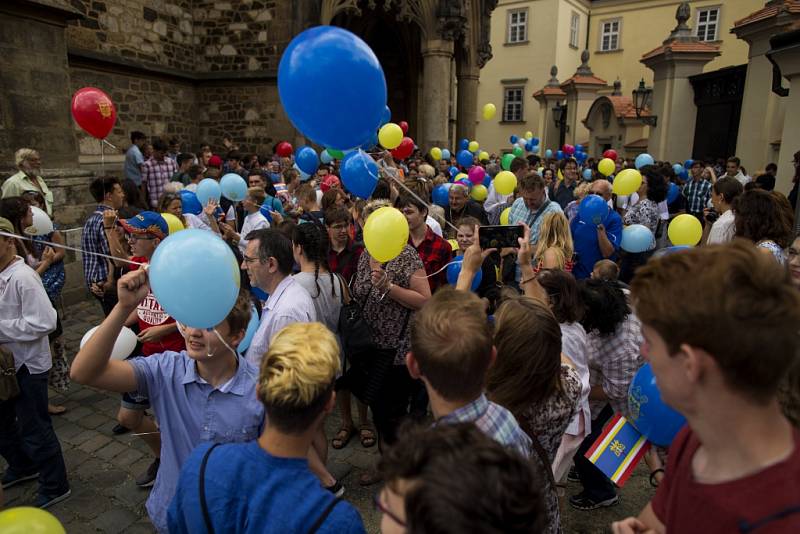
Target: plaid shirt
pixel 697 194
pixel 93 239
pixel 156 175
pixel 435 253
pixel 613 362
pixel 345 262
pixel 494 421
pixel 520 213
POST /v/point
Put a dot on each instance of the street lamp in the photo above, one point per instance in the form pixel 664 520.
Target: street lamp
pixel 642 97
pixel 560 118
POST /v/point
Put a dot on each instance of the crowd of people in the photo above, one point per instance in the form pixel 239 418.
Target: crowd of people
pixel 482 398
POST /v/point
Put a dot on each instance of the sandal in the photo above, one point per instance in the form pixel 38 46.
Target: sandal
pixel 54 409
pixel 367 436
pixel 342 438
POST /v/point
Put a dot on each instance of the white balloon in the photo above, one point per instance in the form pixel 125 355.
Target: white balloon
pixel 123 346
pixel 522 142
pixel 42 225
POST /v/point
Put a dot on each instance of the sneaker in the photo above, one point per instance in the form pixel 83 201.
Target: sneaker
pixel 46 501
pixel 573 476
pixel 119 429
pixel 148 478
pixel 583 502
pixel 11 479
pixel 337 489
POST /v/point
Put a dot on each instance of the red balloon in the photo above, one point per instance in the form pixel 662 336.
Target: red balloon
pixel 403 126
pixel 568 149
pixel 404 150
pixel 284 149
pixel 94 111
pixel 610 154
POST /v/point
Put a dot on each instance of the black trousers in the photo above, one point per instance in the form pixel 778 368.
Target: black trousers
pixel 27 439
pixel 392 405
pixel 107 301
pixel 596 485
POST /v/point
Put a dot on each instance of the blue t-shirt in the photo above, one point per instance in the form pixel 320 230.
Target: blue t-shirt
pixel 249 490
pixel 584 236
pixel 133 162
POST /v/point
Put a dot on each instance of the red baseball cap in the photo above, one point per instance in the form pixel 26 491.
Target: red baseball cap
pixel 328 182
pixel 215 161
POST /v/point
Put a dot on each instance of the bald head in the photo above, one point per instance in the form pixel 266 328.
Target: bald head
pixel 602 188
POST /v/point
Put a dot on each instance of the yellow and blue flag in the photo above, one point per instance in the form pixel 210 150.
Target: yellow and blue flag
pixel 618 449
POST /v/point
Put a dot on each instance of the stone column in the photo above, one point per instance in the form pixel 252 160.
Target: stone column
pixel 468 77
pixel 547 97
pixel 786 55
pixel 682 55
pixel 436 56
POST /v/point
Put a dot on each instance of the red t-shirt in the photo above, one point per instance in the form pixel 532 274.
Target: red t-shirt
pixel 769 500
pixel 150 314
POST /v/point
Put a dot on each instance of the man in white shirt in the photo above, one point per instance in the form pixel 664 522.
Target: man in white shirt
pixel 254 220
pixel 27 439
pixel 733 168
pixel 268 260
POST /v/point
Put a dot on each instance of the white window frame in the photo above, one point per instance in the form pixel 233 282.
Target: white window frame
pixel 610 34
pixel 717 10
pixel 515 28
pixel 574 29
pixel 507 103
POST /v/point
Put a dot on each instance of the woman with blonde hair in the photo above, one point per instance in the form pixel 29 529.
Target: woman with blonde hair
pixel 554 249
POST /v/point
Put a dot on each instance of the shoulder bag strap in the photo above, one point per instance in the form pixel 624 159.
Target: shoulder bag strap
pixel 202 478
pixel 344 291
pixel 325 513
pixel 540 452
pixel 539 212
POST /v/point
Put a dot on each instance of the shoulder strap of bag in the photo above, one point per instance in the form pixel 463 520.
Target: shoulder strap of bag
pixel 344 293
pixel 325 513
pixel 539 212
pixel 540 452
pixel 202 478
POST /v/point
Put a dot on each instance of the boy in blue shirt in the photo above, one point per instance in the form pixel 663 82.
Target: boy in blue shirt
pixel 265 486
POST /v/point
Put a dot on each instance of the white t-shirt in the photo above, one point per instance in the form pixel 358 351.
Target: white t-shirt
pixel 252 221
pixel 435 226
pixel 573 345
pixel 723 229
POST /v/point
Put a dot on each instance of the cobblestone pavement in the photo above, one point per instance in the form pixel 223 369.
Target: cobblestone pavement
pixel 102 467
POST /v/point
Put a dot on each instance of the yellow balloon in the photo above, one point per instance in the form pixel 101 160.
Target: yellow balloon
pixel 173 223
pixel 606 166
pixel 436 153
pixel 685 229
pixel 29 520
pixel 460 176
pixel 473 146
pixel 479 192
pixel 488 111
pixel 504 215
pixel 386 233
pixel 529 135
pixel 483 156
pixel 453 244
pixel 560 175
pixel 390 136
pixel 505 182
pixel 627 182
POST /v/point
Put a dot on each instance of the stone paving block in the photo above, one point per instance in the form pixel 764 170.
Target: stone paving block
pixel 81 394
pixel 88 468
pixel 74 457
pixel 88 504
pixel 67 430
pixel 111 450
pixel 77 414
pixel 81 437
pixel 127 457
pixel 94 420
pixel 130 494
pixel 137 468
pixel 363 460
pixel 95 443
pixel 143 526
pixel 115 520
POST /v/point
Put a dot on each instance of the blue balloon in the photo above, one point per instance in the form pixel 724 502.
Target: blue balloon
pixel 260 294
pixel 465 158
pixel 233 187
pixel 453 172
pixel 307 159
pixel 359 173
pixel 684 174
pixel 578 149
pixel 637 238
pixel 548 153
pixel 387 115
pixel 252 326
pixel 189 203
pixel 655 420
pixel 529 146
pixel 672 192
pixel 593 209
pixel 535 141
pixel 487 181
pixel 513 139
pixel 339 115
pixel 208 189
pixel 303 175
pixel 587 174
pixel 454 269
pixel 195 277
pixel 560 154
pixel 463 144
pixel 535 149
pixel 445 154
pixel 677 168
pixel 688 163
pixel 440 195
pixel 465 182
pixel 325 157
pixel 642 160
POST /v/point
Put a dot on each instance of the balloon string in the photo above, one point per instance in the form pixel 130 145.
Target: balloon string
pixel 109 144
pixel 454 262
pixel 393 176
pixel 102 158
pixel 65 247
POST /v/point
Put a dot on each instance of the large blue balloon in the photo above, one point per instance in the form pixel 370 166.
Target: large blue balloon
pixel 233 187
pixel 548 153
pixel 195 277
pixel 655 420
pixel 642 160
pixel 454 269
pixel 440 195
pixel 359 173
pixel 189 203
pixel 208 189
pixel 252 326
pixel 593 209
pixel 672 193
pixel 465 158
pixel 637 238
pixel 339 115
pixel 463 144
pixel 307 159
pixel 445 154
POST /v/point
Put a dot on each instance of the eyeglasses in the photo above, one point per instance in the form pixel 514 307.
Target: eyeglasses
pixel 340 227
pixel 385 510
pixel 248 259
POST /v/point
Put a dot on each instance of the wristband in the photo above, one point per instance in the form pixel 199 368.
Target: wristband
pixel 653 477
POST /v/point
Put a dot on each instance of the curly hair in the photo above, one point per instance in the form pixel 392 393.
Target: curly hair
pixel 656 183
pixel 759 215
pixel 606 306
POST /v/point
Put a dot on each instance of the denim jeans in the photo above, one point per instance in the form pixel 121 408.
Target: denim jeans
pixel 27 439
